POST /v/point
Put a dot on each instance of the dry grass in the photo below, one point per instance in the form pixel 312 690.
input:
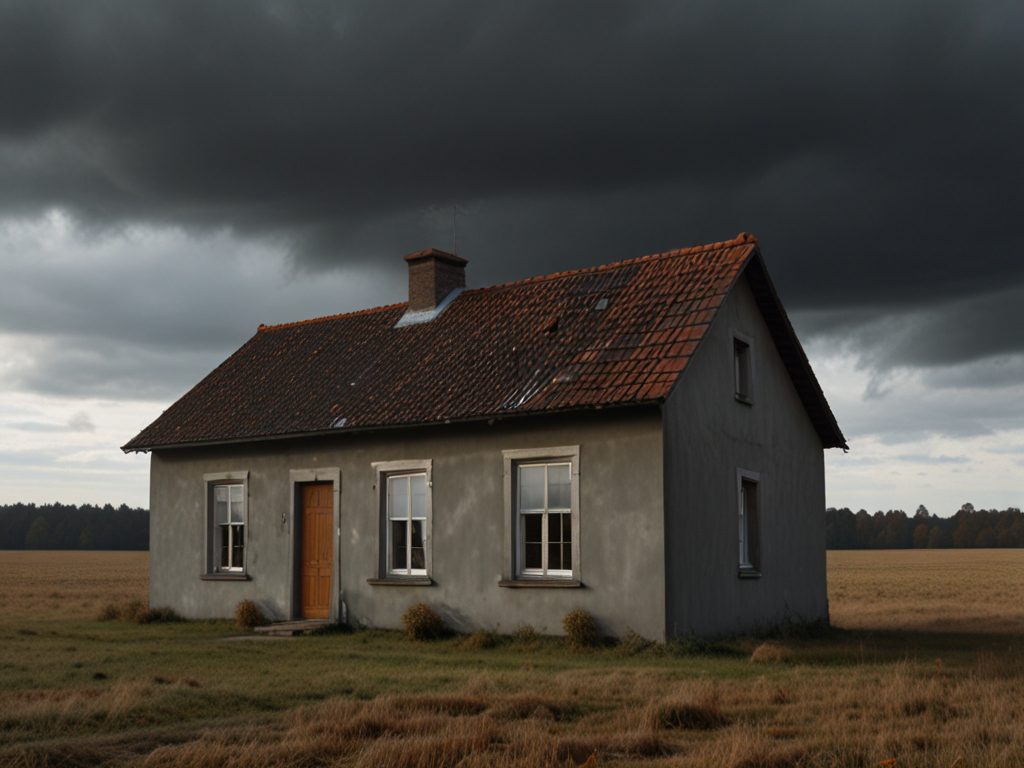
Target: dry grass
pixel 179 695
pixel 771 653
pixel 943 590
pixel 71 585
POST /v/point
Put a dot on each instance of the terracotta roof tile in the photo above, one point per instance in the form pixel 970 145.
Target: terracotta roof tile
pixel 531 346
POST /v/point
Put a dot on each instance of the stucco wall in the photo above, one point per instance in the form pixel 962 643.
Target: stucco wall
pixel 708 436
pixel 621 524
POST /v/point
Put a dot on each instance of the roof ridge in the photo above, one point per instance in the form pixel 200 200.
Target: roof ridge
pixel 743 238
pixel 324 318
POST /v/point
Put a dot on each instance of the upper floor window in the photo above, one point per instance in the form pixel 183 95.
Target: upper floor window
pixel 743 368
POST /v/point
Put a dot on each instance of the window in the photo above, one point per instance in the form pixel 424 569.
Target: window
pixel 742 369
pixel 406 524
pixel 542 523
pixel 544 502
pixel 404 498
pixel 226 534
pixel 749 534
pixel 229 527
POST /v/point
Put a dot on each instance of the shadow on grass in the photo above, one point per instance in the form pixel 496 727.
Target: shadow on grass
pixel 836 646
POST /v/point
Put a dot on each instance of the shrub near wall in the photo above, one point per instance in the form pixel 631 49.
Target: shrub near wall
pixel 580 630
pixel 422 622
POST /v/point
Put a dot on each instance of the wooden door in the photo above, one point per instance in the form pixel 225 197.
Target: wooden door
pixel 317 549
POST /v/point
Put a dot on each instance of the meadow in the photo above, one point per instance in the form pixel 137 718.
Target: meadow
pixel 921 668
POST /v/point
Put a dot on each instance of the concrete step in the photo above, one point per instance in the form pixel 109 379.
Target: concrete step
pixel 292 628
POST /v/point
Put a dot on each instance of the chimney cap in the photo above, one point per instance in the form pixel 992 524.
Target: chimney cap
pixel 436 253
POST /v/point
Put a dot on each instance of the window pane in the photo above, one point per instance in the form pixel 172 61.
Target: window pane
pixel 220 504
pixel 532 527
pixel 398 497
pixel 236 509
pixel 559 487
pixel 567 527
pixel 554 529
pixel 418 559
pixel 531 488
pixel 398 544
pixel 567 557
pixel 222 544
pixel 554 557
pixel 531 556
pixel 419 496
pixel 237 546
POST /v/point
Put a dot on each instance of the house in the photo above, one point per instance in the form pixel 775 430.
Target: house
pixel 642 440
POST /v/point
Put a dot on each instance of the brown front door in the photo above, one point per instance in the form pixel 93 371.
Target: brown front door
pixel 317 549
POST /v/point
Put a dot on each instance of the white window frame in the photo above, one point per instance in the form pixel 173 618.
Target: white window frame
pixel 544 513
pixel 230 480
pixel 743 367
pixel 514 460
pixel 749 535
pixel 386 470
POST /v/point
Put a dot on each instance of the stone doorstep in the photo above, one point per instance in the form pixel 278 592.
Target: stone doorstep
pixel 292 628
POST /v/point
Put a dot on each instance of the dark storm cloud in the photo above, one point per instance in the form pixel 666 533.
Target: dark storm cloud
pixel 874 147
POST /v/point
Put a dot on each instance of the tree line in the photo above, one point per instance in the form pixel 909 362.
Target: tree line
pixel 88 526
pixel 969 527
pixel 67 526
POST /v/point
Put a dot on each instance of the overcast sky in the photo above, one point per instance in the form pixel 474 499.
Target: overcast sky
pixel 174 173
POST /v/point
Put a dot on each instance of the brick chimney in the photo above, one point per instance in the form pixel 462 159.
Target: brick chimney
pixel 433 274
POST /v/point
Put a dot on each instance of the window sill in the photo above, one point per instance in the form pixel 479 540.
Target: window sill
pixel 402 581
pixel 744 399
pixel 749 573
pixel 541 583
pixel 224 577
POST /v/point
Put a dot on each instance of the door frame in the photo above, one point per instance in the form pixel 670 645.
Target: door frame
pixel 296 479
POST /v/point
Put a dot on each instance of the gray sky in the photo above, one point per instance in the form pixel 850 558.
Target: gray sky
pixel 173 174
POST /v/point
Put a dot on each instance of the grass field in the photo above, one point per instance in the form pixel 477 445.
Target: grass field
pixel 923 669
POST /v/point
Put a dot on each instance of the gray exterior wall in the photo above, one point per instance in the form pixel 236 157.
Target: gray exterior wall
pixel 620 522
pixel 709 435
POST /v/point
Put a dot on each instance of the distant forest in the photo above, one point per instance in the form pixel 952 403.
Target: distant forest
pixel 60 526
pixel 969 527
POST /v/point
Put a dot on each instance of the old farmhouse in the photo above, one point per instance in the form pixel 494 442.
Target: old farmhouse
pixel 643 440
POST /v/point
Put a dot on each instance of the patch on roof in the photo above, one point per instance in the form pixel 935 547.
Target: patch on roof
pixel 426 315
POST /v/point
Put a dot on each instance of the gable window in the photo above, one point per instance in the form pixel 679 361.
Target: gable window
pixel 543 507
pixel 227 502
pixel 404 493
pixel 407 520
pixel 742 368
pixel 749 523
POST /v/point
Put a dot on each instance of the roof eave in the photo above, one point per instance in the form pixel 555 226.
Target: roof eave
pixel 500 416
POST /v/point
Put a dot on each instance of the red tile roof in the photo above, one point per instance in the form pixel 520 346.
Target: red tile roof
pixel 532 346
